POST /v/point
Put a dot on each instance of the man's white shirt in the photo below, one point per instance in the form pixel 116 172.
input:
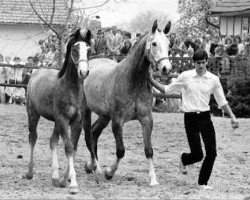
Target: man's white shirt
pixel 196 90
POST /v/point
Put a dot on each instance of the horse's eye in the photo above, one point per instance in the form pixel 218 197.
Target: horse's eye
pixel 154 44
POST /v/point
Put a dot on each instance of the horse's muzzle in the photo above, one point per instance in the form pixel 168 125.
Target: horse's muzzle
pixel 84 74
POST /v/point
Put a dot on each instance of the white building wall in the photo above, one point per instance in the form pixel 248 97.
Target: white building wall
pixel 20 40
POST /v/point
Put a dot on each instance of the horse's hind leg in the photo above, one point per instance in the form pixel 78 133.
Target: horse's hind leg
pixel 92 139
pixel 33 119
pixel 55 165
pixel 147 126
pixel 120 150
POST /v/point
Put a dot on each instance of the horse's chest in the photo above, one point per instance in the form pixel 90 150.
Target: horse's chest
pixel 71 108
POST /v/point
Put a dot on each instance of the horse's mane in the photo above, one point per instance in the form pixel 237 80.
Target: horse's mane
pixel 137 62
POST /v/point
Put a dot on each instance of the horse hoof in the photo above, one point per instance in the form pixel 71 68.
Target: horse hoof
pixel 88 169
pixel 62 184
pixel 73 190
pixel 56 182
pixel 154 183
pixel 29 176
pixel 107 175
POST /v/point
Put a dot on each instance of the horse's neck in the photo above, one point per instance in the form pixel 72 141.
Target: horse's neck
pixel 71 76
pixel 136 69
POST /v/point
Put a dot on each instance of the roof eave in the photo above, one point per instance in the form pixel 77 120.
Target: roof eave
pixel 22 23
pixel 228 14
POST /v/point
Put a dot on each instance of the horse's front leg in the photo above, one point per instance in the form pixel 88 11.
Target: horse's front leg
pixel 55 165
pixel 66 135
pixel 120 150
pixel 147 126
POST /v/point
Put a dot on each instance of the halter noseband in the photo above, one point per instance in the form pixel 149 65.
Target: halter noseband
pixel 77 62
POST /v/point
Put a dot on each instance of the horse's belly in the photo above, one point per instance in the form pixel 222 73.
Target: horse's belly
pixel 40 92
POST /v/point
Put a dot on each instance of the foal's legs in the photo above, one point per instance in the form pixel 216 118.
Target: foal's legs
pixel 147 126
pixel 55 165
pixel 97 128
pixel 62 125
pixel 120 150
pixel 33 119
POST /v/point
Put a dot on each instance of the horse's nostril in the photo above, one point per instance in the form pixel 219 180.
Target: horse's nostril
pixel 164 69
pixel 87 73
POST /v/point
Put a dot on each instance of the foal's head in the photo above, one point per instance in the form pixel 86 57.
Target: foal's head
pixel 77 53
pixel 157 48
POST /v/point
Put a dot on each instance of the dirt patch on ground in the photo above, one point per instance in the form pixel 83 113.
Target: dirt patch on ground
pixel 230 178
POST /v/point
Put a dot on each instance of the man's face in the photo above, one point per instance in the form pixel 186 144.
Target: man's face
pixel 99 35
pixel 200 66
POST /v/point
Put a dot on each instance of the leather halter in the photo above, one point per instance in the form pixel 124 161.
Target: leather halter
pixel 78 61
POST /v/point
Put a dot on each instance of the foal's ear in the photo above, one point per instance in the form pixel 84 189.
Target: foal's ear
pixel 167 27
pixel 155 25
pixel 76 33
pixel 88 36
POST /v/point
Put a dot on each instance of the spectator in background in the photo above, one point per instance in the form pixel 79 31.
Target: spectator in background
pixel 118 41
pixel 18 93
pixel 197 44
pixel 135 40
pixel 28 70
pixel 189 53
pixel 100 46
pixel 228 41
pixel 126 44
pixel 214 44
pixel 10 75
pixel 52 57
pixel 240 45
pixel 207 44
pixel 172 38
pixel 3 71
pixel 189 42
pixel 219 51
pixel 42 50
pixel 110 43
pixel 232 50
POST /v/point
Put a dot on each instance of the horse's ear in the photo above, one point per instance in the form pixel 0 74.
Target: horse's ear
pixel 88 35
pixel 155 25
pixel 167 27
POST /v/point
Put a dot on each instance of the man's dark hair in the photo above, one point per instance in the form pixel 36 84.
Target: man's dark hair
pixel 200 54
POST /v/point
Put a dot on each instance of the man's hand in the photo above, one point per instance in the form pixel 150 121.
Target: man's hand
pixel 234 123
pixel 151 73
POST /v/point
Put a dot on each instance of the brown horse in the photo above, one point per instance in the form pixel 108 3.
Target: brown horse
pixel 121 92
pixel 59 97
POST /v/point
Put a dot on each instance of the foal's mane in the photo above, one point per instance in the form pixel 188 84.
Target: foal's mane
pixel 73 39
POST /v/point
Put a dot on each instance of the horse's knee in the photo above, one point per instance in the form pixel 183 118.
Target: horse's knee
pixel 32 138
pixel 69 148
pixel 53 141
pixel 149 152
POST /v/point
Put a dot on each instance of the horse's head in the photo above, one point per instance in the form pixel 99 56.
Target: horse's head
pixel 157 48
pixel 79 52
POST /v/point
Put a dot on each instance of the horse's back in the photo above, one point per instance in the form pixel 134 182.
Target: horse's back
pixel 98 85
pixel 40 91
pixel 102 64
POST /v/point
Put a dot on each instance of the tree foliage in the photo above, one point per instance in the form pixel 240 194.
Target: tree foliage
pixel 144 20
pixel 193 17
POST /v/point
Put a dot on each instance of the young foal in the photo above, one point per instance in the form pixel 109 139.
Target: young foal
pixel 59 97
pixel 121 92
